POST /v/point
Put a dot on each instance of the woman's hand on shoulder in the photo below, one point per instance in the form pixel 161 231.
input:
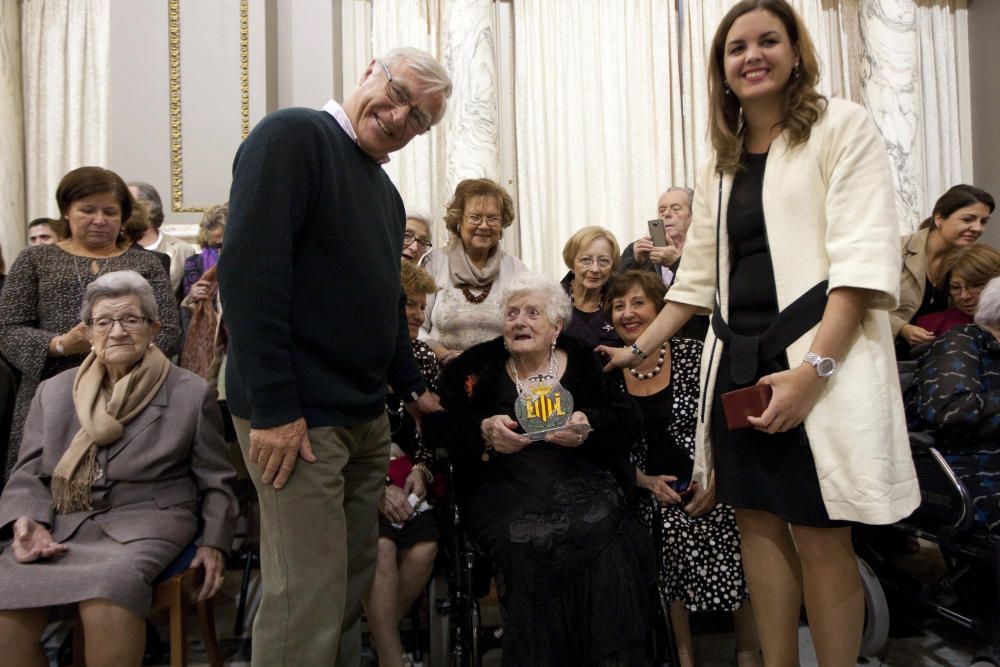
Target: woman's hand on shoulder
pixel 33 541
pixel 618 357
pixel 73 341
pixel 446 356
pixel 795 392
pixel 498 433
pixel 394 505
pixel 914 335
pixel 570 436
pixel 214 563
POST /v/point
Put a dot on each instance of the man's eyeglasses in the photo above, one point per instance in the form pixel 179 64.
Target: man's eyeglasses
pixel 409 238
pixel 475 220
pixel 129 323
pixel 418 121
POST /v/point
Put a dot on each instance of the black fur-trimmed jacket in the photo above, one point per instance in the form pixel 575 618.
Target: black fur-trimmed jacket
pixel 469 389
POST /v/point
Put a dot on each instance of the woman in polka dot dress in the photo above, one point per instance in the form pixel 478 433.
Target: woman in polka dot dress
pixel 699 565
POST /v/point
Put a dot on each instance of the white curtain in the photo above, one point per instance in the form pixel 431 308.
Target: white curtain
pixel 66 69
pixel 12 217
pixel 466 143
pixel 594 105
pixel 936 78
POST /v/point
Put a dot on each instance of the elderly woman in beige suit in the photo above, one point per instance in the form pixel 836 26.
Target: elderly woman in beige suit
pixel 958 220
pixel 793 244
pixel 122 459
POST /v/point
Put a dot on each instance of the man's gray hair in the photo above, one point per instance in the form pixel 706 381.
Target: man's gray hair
pixel 988 312
pixel 116 284
pixel 147 194
pixel 688 191
pixel 555 300
pixel 434 76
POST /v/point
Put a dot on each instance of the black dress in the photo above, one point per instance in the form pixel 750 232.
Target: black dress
pixel 755 470
pixel 575 570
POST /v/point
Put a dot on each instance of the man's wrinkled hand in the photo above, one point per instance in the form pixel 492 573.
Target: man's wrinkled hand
pixel 276 450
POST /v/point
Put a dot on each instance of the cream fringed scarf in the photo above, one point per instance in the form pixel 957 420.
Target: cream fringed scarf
pixel 102 422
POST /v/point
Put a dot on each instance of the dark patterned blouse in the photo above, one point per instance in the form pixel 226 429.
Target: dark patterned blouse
pixel 404 431
pixel 956 395
pixel 956 390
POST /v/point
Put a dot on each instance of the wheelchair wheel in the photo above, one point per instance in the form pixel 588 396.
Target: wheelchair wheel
pixel 876 629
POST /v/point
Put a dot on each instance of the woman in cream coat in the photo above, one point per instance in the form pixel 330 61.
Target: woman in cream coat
pixel 827 201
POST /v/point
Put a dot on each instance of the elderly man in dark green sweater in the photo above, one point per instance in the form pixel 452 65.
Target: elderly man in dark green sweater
pixel 310 282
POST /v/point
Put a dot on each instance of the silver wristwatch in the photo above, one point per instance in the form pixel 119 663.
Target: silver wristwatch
pixel 825 366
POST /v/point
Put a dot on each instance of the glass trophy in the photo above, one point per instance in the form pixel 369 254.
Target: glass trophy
pixel 543 406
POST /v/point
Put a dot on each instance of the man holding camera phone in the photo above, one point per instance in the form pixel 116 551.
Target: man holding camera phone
pixel 660 252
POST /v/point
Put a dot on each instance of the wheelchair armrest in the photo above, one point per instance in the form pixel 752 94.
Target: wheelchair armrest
pixel 921 440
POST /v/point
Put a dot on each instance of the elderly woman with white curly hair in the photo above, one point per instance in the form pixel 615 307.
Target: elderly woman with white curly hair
pixel 121 463
pixel 576 571
pixel 956 395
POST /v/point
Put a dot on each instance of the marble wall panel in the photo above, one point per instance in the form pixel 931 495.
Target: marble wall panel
pixel 469 54
pixel 12 210
pixel 888 89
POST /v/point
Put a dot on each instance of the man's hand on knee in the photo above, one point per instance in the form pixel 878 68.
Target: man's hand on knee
pixel 276 450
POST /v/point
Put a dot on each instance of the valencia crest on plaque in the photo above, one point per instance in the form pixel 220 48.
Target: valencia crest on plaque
pixel 543 406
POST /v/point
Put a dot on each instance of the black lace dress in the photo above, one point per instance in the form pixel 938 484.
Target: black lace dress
pixel 575 571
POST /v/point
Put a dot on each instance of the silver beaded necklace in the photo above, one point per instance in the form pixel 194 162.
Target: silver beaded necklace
pixel 540 377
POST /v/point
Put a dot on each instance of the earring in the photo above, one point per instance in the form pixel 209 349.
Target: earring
pixel 92 349
pixel 151 346
pixel 795 71
pixel 726 88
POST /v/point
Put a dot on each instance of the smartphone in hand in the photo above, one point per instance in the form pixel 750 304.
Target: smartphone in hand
pixel 657 233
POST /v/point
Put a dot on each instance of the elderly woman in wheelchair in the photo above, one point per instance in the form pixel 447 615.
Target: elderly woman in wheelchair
pixel 955 395
pixel 953 409
pixel 575 571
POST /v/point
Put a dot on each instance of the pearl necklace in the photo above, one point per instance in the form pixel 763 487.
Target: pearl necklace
pixel 553 367
pixel 656 369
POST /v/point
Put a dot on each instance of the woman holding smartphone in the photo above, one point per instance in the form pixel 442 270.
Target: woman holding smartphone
pixel 793 247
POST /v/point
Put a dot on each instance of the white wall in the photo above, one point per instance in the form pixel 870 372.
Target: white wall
pixel 984 54
pixel 290 47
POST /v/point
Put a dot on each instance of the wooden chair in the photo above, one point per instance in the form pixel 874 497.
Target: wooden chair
pixel 173 598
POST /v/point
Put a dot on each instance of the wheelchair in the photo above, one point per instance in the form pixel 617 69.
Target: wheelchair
pixel 968 594
pixel 470 577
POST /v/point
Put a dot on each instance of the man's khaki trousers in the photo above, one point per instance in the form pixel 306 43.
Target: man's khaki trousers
pixel 318 545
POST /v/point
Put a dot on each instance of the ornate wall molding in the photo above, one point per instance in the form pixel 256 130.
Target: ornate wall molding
pixel 176 124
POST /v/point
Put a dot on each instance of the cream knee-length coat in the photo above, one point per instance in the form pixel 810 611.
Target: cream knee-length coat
pixel 829 211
